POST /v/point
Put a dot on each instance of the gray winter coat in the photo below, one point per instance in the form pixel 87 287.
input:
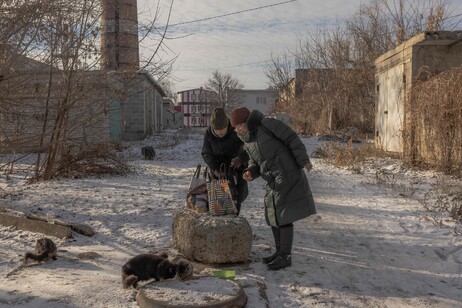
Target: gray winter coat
pixel 278 155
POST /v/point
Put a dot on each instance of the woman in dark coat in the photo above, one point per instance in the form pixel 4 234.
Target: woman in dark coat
pixel 221 145
pixel 277 155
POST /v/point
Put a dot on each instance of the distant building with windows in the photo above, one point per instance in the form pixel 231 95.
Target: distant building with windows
pixel 262 100
pixel 196 105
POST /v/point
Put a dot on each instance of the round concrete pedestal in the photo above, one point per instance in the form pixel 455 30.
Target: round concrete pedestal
pixel 211 292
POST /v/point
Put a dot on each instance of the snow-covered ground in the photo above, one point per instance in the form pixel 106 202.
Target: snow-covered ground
pixel 371 244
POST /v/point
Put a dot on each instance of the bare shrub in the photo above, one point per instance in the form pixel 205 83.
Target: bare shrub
pixel 434 134
pixel 347 155
pixel 443 202
pixel 96 161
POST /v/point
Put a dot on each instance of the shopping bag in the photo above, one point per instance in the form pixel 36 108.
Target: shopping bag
pixel 196 180
pixel 196 197
pixel 219 194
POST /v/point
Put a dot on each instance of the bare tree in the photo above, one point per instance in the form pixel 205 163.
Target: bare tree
pixel 280 72
pixel 224 85
pixel 409 17
pixel 53 97
pixel 334 79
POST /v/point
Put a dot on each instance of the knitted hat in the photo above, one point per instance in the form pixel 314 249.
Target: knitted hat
pixel 239 115
pixel 219 119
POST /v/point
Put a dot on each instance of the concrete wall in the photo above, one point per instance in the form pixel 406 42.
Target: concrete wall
pixel 134 109
pixel 262 100
pixel 158 112
pixel 141 107
pixel 33 111
pixel 171 118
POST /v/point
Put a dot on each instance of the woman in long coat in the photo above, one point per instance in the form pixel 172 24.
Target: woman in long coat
pixel 278 155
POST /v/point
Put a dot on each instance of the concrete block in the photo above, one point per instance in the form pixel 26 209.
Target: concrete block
pixel 211 239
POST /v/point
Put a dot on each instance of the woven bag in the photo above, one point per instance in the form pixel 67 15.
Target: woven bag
pixel 220 198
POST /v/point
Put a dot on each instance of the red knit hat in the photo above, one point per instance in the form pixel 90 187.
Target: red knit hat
pixel 239 115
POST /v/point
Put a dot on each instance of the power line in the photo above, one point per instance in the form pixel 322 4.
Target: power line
pixel 230 66
pixel 295 55
pixel 229 14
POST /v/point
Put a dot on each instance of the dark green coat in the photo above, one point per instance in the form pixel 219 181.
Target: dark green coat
pixel 278 155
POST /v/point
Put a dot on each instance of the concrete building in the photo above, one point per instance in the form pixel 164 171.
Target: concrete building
pixel 262 100
pixel 297 87
pixel 396 71
pixel 117 102
pixel 173 117
pixel 140 108
pixel 197 105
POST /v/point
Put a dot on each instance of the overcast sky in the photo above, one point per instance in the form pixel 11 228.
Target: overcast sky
pixel 238 44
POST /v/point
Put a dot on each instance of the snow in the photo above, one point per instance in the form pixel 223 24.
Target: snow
pixel 372 243
pixel 199 292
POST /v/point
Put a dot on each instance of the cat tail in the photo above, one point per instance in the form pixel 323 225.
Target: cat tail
pixel 39 258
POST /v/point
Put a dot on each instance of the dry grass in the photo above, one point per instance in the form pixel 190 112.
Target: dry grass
pixel 348 154
pixel 434 122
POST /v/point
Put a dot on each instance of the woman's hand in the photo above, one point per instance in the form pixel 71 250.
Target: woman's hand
pixel 308 166
pixel 247 176
pixel 236 162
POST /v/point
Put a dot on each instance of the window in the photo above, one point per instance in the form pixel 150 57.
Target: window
pixel 261 100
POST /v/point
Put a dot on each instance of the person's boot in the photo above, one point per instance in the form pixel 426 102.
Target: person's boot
pixel 277 241
pixel 238 208
pixel 284 258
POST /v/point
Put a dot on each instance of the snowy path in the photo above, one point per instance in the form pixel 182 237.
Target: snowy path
pixel 368 246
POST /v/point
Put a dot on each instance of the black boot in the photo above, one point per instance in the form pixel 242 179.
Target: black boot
pixel 238 208
pixel 284 258
pixel 277 242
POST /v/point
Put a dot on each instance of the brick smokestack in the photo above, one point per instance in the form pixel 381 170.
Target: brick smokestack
pixel 119 35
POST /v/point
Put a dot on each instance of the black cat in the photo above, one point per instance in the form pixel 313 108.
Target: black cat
pixel 148 152
pixel 145 267
pixel 45 249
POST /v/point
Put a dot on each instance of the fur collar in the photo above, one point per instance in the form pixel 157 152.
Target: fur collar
pixel 253 122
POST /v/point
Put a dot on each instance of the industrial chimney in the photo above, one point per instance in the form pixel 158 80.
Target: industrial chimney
pixel 119 35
